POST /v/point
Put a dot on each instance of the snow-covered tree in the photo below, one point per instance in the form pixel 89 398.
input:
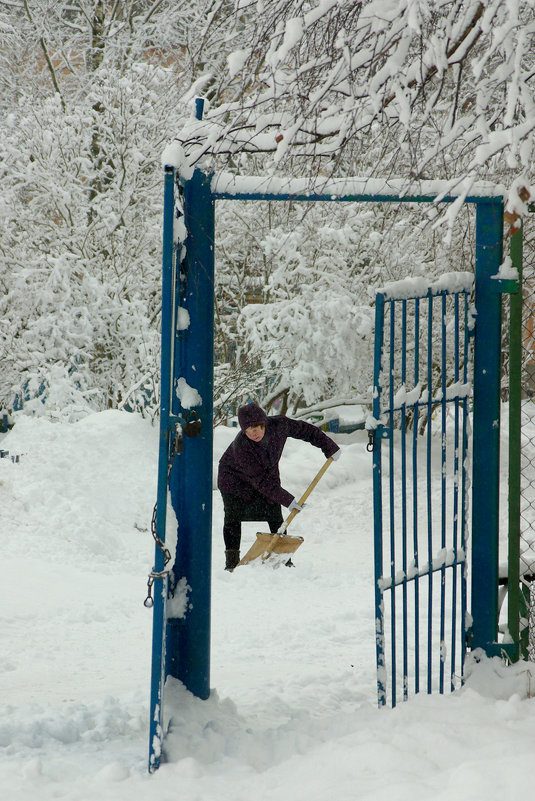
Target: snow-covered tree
pixel 91 90
pixel 441 89
pixel 90 93
pixel 412 89
pixel 295 289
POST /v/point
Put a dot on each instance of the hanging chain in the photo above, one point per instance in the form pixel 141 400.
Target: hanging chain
pixel 176 448
pixel 155 574
pixel 371 440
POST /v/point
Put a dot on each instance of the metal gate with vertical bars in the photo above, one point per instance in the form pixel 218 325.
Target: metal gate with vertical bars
pixel 420 434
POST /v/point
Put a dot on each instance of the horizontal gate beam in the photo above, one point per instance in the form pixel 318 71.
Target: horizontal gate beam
pixel 228 186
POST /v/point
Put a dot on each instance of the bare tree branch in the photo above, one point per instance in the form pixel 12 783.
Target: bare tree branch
pixel 48 60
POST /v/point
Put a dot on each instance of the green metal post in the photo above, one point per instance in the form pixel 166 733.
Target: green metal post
pixel 515 401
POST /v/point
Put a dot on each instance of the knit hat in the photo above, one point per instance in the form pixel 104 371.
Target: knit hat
pixel 251 415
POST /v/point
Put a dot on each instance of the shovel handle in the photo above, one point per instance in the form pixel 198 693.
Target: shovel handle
pixel 270 546
pixel 305 495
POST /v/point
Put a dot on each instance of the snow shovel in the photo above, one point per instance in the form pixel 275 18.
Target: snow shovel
pixel 267 545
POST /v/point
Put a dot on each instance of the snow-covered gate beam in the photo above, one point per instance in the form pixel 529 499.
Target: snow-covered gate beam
pixel 488 199
pixel 226 186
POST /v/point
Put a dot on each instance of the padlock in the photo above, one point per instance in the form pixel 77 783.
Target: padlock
pixel 192 424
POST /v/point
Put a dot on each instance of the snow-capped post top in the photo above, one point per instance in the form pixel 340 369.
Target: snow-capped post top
pixel 174 156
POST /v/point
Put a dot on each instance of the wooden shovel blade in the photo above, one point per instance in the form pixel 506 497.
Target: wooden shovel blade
pixel 267 545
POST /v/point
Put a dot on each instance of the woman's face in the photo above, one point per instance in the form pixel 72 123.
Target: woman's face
pixel 256 433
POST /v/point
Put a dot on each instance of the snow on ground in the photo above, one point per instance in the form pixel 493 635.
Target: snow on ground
pixel 293 711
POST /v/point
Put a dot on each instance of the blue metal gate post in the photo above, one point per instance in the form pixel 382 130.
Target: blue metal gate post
pixel 161 580
pixel 486 422
pixel 375 439
pixel 188 637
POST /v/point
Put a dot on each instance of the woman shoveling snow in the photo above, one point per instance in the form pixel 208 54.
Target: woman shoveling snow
pixel 249 478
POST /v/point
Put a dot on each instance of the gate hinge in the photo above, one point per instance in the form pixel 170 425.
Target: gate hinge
pixel 504 286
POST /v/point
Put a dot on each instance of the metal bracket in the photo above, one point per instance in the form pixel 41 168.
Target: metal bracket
pixel 504 286
pixel 505 650
pixel 502 649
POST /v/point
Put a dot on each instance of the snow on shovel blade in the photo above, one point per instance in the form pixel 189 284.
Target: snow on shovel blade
pixel 268 546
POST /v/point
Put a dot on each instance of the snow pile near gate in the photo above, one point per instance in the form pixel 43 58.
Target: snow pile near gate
pixel 293 711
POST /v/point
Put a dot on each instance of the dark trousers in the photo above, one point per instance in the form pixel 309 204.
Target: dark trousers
pixel 238 510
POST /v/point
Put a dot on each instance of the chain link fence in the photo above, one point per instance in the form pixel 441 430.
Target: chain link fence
pixel 518 391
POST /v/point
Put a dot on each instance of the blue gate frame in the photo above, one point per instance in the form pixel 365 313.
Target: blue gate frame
pixel 181 646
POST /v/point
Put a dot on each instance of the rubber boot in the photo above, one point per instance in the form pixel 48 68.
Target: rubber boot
pixel 232 557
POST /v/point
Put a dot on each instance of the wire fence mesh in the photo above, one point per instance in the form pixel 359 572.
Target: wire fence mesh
pixel 527 463
pixel 518 391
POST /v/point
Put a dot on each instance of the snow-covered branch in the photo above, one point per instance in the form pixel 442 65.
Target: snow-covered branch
pixel 434 89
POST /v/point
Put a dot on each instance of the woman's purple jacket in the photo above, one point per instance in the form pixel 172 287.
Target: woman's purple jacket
pixel 248 468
